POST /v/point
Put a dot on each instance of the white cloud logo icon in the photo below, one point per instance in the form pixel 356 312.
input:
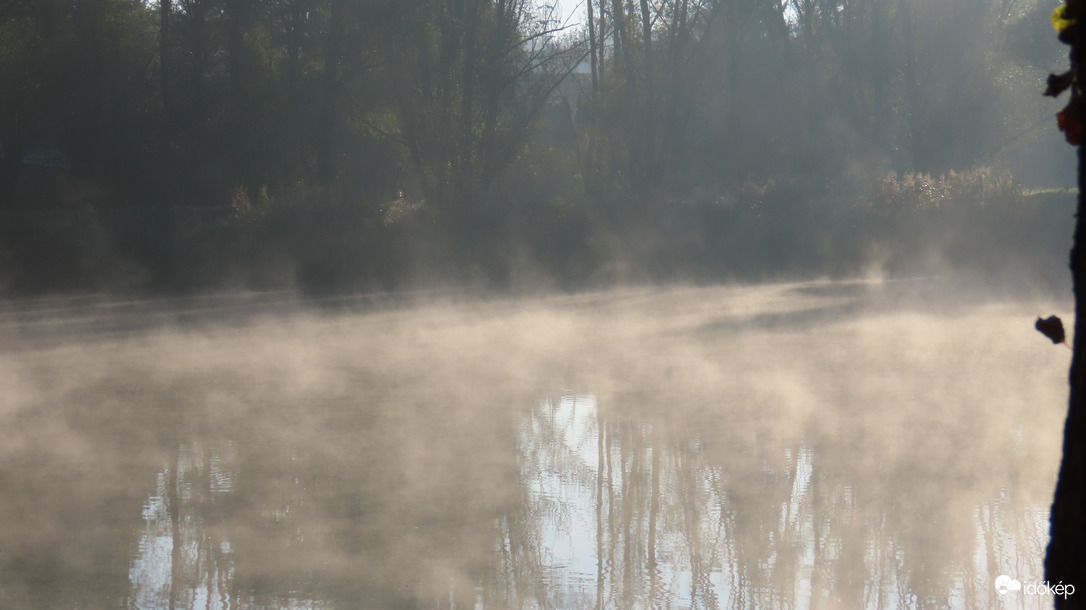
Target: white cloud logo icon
pixel 1005 583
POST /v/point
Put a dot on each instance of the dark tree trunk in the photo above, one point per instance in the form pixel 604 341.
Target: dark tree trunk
pixel 164 58
pixel 1065 562
pixel 235 40
pixel 649 124
pixel 199 50
pixel 1066 559
pixel 328 120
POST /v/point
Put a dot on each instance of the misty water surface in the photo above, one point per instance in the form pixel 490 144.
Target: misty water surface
pixel 816 445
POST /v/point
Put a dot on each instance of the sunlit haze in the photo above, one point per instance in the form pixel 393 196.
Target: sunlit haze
pixel 825 444
pixel 539 304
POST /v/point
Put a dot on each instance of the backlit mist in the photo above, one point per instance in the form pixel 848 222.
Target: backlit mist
pixel 512 304
pixel 842 445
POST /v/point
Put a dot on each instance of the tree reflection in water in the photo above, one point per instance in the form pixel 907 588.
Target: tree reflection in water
pixel 762 447
pixel 605 511
pixel 684 521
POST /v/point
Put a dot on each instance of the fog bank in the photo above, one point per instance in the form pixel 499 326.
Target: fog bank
pixel 839 444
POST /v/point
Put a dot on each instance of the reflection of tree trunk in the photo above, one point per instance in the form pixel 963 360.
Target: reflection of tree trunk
pixel 174 501
pixel 818 559
pixel 989 532
pixel 201 498
pixel 628 451
pixel 654 514
pixel 688 500
pixel 600 534
pixel 612 535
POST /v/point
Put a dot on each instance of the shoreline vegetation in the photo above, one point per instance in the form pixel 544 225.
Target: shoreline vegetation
pixel 338 146
pixel 976 225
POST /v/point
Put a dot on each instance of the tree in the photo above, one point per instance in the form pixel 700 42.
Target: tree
pixel 656 74
pixel 472 76
pixel 1065 560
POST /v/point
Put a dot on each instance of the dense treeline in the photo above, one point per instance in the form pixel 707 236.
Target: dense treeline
pixel 195 144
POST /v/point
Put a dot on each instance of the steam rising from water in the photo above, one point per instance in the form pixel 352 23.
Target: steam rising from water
pixel 806 445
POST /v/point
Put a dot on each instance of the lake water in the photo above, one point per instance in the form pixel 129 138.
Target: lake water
pixel 811 445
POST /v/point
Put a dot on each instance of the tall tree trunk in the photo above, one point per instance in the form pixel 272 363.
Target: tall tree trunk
pixel 326 123
pixel 649 126
pixel 293 20
pixel 1066 558
pixel 89 20
pixel 234 41
pixel 588 172
pixel 199 52
pixel 164 7
pixel 1065 562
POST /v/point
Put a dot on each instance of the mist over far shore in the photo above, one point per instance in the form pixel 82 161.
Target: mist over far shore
pixel 1004 236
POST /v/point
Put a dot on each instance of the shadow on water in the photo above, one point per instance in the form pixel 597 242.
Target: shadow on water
pixel 436 456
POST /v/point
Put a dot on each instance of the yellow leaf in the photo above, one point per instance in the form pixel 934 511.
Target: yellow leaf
pixel 1058 20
